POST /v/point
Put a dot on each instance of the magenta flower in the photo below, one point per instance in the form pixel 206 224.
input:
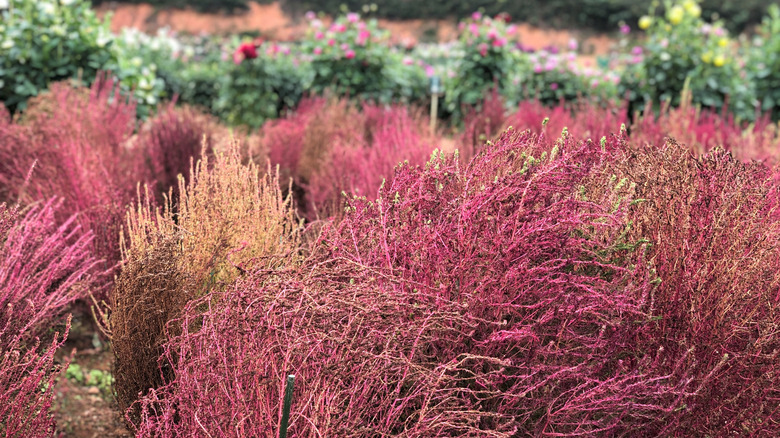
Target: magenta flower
pixel 625 29
pixel 349 54
pixel 331 42
pixel 474 29
pixel 429 71
pixel 499 42
pixel 318 50
pixel 538 68
pixel 483 48
pixel 554 86
pixel 476 15
pixel 353 17
pixel 310 15
pixel 319 35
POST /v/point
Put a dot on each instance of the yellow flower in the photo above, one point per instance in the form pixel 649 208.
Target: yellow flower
pixel 723 42
pixel 706 57
pixel 645 22
pixel 719 61
pixel 676 14
pixel 692 8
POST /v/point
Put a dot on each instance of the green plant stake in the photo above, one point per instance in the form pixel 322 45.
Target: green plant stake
pixel 286 408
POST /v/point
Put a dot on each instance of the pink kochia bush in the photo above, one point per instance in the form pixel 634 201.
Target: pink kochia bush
pixel 547 288
pixel 82 145
pixel 70 144
pixel 44 267
pixel 331 147
pixel 490 300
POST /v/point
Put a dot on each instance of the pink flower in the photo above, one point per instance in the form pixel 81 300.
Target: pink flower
pixel 362 37
pixel 429 71
pixel 511 29
pixel 319 35
pixel 331 42
pixel 637 50
pixel 492 33
pixel 554 86
pixel 310 15
pixel 625 29
pixel 483 48
pixel 594 83
pixel 349 54
pixel 353 17
pixel 537 68
pixel 344 47
pixel 338 27
pixel 461 26
pixel 476 15
pixel 474 29
pixel 318 50
pixel 499 42
pixel 573 44
pixel 408 60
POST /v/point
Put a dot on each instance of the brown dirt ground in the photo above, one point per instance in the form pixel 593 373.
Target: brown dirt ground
pixel 270 20
pixel 81 410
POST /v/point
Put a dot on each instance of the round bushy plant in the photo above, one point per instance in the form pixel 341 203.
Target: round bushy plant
pixel 46 41
pixel 681 47
pixel 554 77
pixel 261 84
pixel 352 56
pixel 488 59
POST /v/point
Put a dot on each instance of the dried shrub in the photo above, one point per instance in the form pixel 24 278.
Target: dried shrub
pixel 44 267
pixel 485 301
pixel 715 229
pixel 228 219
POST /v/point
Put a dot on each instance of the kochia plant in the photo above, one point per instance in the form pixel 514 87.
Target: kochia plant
pixel 44 267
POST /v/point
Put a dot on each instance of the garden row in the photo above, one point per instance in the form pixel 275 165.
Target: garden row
pixel 575 274
pixel 245 82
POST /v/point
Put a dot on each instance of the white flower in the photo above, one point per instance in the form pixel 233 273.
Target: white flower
pixel 3 4
pixel 7 44
pixel 47 8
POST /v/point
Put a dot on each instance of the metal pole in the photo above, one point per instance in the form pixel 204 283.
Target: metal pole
pixel 288 392
pixel 434 111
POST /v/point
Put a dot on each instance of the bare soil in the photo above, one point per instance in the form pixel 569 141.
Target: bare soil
pixel 83 410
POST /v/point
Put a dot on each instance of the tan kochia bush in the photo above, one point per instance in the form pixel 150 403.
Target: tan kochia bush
pixel 228 219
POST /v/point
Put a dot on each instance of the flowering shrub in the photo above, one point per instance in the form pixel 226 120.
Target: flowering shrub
pixel 488 59
pixel 554 77
pixel 352 56
pixel 44 267
pixel 228 219
pixel 45 41
pixel 682 48
pixel 764 62
pixel 260 85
